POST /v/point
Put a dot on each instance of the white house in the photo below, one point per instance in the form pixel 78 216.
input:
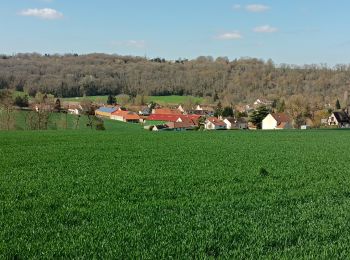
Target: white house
pixel 181 109
pixel 230 123
pixel 213 123
pixel 340 119
pixel 198 108
pixel 276 121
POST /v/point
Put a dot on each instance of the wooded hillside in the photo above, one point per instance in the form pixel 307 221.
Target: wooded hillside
pixel 241 80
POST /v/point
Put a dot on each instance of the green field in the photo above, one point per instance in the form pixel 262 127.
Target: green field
pixel 162 100
pixel 126 193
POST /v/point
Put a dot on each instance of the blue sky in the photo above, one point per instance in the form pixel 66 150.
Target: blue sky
pixel 287 31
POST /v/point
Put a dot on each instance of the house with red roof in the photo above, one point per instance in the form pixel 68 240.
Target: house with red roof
pixel 125 116
pixel 277 121
pixel 213 123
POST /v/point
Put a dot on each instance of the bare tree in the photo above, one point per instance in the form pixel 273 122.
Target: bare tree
pixel 7 113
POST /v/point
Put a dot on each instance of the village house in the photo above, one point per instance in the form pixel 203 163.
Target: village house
pixel 340 119
pixel 233 123
pixel 213 123
pixel 125 116
pixel 199 108
pixel 181 126
pixel 74 109
pixel 202 111
pixel 276 121
pixel 262 102
pixel 181 109
pixel 145 111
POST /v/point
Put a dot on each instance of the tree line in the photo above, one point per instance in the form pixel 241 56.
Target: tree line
pixel 230 81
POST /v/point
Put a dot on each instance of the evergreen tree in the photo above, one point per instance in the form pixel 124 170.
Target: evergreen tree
pixel 227 112
pixel 337 105
pixel 21 101
pixel 111 100
pixel 57 106
pixel 258 115
pixel 218 110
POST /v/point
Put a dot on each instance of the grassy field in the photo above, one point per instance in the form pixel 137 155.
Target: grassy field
pixel 128 193
pixel 57 121
pixel 162 100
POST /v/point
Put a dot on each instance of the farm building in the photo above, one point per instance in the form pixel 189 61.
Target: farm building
pixel 276 121
pixel 125 116
pixel 213 123
pixel 106 111
pixel 181 126
pixel 340 119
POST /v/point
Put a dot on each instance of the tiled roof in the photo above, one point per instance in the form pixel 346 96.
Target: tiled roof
pixel 167 111
pixel 281 117
pixel 180 124
pixel 216 121
pixel 126 115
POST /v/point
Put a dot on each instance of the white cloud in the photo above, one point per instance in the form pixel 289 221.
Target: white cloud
pixel 237 6
pixel 138 44
pixel 45 13
pixel 230 36
pixel 265 29
pixel 257 8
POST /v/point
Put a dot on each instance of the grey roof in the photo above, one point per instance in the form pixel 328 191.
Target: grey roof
pixel 107 109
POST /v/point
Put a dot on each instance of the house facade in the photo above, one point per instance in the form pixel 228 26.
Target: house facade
pixel 276 121
pixel 233 123
pixel 213 123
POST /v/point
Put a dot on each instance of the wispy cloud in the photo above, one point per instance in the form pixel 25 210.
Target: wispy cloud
pixel 236 6
pixel 230 36
pixel 44 13
pixel 138 44
pixel 257 8
pixel 265 29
